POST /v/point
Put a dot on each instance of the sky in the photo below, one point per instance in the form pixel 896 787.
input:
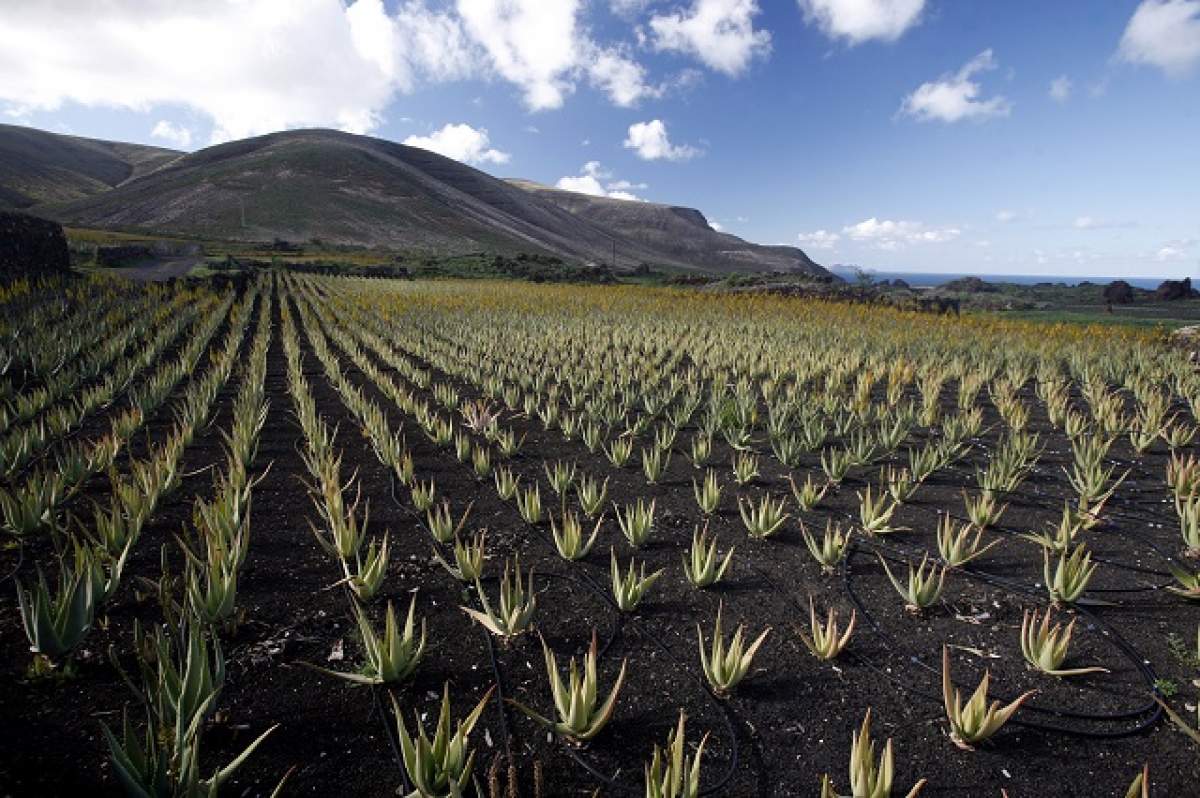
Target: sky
pixel 987 136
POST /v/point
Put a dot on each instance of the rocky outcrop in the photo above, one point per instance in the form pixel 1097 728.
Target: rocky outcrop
pixel 1171 290
pixel 31 247
pixel 1118 292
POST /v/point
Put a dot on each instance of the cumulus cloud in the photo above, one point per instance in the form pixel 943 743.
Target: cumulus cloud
pixel 530 43
pixel 892 235
pixel 620 77
pixel 1005 216
pixel 256 67
pixel 858 21
pixel 460 142
pixel 720 33
pixel 1060 89
pixel 590 180
pixel 1164 34
pixel 250 67
pixel 650 142
pixel 543 49
pixel 175 135
pixel 820 239
pixel 954 97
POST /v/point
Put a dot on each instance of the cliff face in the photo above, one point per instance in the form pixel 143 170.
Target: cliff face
pixel 31 247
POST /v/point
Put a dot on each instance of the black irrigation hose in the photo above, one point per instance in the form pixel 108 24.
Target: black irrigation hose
pixel 1151 707
pixel 389 719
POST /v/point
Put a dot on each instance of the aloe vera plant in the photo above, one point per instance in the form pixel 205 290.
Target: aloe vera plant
pixel 579 717
pixel 169 766
pixel 561 476
pixel 764 519
pixel 369 570
pixel 868 779
pixel 922 588
pixel 725 665
pixel 708 495
pixel 630 588
pixel 529 504
pixel 955 544
pixel 57 623
pixel 702 567
pixel 591 494
pixel 831 549
pixel 392 657
pixel 440 522
pixel 974 721
pixel 1071 574
pixel 468 558
pixel 807 496
pixel 513 615
pixel 826 641
pixel 506 484
pixel 875 513
pixel 1045 647
pixel 439 767
pixel 569 538
pixel 745 468
pixel 636 522
pixel 1140 786
pixel 670 773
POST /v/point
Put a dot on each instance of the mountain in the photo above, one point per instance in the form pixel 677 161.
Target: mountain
pixel 683 234
pixel 37 166
pixel 345 189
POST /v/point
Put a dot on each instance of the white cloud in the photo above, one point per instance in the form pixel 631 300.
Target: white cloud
pixel 621 78
pixel 1092 223
pixel 256 67
pixel 892 235
pixel 716 226
pixel 720 33
pixel 858 21
pixel 821 239
pixel 177 135
pixel 250 67
pixel 954 97
pixel 1169 253
pixel 649 140
pixel 460 142
pixel 531 43
pixel 1005 216
pixel 590 180
pixel 625 185
pixel 1165 34
pixel 1060 89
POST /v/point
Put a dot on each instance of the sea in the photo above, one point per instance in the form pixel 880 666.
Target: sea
pixel 931 279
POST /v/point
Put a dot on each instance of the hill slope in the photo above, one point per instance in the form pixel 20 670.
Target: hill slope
pixel 37 166
pixel 346 189
pixel 682 234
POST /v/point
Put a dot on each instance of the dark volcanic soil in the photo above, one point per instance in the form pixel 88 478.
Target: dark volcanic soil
pixel 786 725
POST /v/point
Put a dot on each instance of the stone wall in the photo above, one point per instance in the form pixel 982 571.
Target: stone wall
pixel 31 247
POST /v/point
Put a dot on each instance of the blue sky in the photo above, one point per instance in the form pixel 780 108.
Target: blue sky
pixel 921 135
